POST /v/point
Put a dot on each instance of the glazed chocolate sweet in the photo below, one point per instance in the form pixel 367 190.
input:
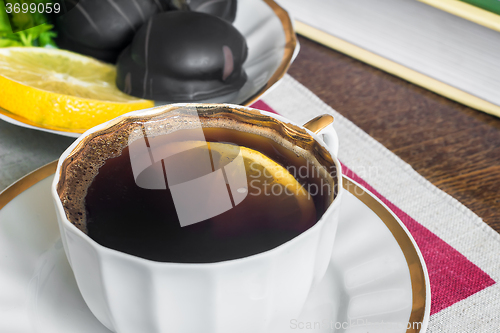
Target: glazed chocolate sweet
pixel 102 29
pixel 183 56
pixel 225 9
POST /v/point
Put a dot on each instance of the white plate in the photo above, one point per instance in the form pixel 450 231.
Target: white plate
pixel 376 281
pixel 272 47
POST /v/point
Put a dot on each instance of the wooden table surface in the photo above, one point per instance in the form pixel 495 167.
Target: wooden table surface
pixel 453 146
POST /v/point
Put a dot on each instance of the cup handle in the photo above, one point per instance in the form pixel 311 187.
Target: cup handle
pixel 322 125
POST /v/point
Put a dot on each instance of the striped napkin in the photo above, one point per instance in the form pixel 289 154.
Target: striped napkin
pixel 460 250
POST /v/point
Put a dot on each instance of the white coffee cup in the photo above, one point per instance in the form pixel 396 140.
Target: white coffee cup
pixel 258 293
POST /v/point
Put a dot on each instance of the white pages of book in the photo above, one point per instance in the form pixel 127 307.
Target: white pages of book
pixel 445 47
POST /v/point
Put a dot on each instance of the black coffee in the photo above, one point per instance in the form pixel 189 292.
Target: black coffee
pixel 125 212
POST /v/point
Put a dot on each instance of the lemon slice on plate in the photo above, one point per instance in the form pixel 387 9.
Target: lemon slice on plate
pixel 61 90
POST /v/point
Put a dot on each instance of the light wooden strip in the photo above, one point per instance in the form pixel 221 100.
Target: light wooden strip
pixel 468 12
pixel 397 69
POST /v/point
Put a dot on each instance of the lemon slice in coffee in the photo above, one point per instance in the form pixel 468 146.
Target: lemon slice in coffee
pixel 273 195
pixel 269 193
pixel 61 90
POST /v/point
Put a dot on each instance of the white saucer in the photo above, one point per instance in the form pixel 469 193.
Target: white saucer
pixel 376 282
pixel 272 47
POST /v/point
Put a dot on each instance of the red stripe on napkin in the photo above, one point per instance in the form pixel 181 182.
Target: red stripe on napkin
pixel 262 106
pixel 452 276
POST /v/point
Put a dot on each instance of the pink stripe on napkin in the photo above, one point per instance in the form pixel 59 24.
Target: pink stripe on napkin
pixel 261 105
pixel 452 276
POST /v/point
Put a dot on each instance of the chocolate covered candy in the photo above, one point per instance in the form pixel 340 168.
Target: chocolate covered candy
pixel 225 9
pixel 183 56
pixel 103 28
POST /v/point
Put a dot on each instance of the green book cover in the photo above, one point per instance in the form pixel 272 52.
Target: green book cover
pixel 489 5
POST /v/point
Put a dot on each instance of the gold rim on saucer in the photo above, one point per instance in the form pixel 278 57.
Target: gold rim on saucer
pixel 415 266
pixel 417 271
